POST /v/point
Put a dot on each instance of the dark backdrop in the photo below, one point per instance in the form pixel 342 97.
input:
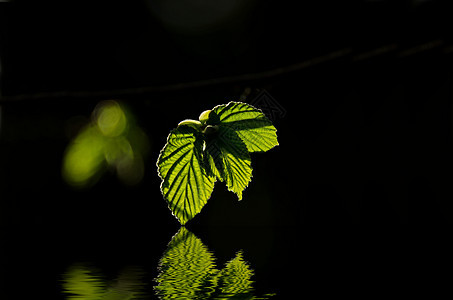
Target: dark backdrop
pixel 362 92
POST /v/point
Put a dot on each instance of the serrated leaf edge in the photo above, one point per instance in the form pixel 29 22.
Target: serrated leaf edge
pixel 163 180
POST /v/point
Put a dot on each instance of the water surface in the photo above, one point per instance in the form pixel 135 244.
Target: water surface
pixel 186 270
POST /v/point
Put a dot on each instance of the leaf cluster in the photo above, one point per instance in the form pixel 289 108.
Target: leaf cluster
pixel 215 147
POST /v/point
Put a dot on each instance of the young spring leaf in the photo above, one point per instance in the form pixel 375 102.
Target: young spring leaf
pixel 231 159
pixel 215 147
pixel 250 124
pixel 185 185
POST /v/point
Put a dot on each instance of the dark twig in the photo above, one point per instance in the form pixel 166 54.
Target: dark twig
pixel 241 78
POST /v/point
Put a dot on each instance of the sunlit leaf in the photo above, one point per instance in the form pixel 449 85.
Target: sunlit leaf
pixel 217 146
pixel 231 160
pixel 185 185
pixel 251 125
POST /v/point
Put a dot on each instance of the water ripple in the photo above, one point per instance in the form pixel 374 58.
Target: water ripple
pixel 188 271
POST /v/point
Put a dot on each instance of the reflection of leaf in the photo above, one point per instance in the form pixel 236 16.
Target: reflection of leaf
pixel 128 286
pixel 235 278
pixel 185 185
pixel 188 271
pixel 83 283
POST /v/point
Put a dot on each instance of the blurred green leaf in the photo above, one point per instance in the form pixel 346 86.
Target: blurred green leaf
pixel 110 141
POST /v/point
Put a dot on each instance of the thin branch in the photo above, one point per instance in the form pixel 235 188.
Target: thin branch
pixel 241 78
pixel 247 77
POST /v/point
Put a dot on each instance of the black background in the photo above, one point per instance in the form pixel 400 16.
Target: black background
pixel 365 137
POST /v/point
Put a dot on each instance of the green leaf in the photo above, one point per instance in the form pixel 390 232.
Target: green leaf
pixel 251 125
pixel 111 141
pixel 84 159
pixel 215 147
pixel 230 160
pixel 208 117
pixel 185 185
